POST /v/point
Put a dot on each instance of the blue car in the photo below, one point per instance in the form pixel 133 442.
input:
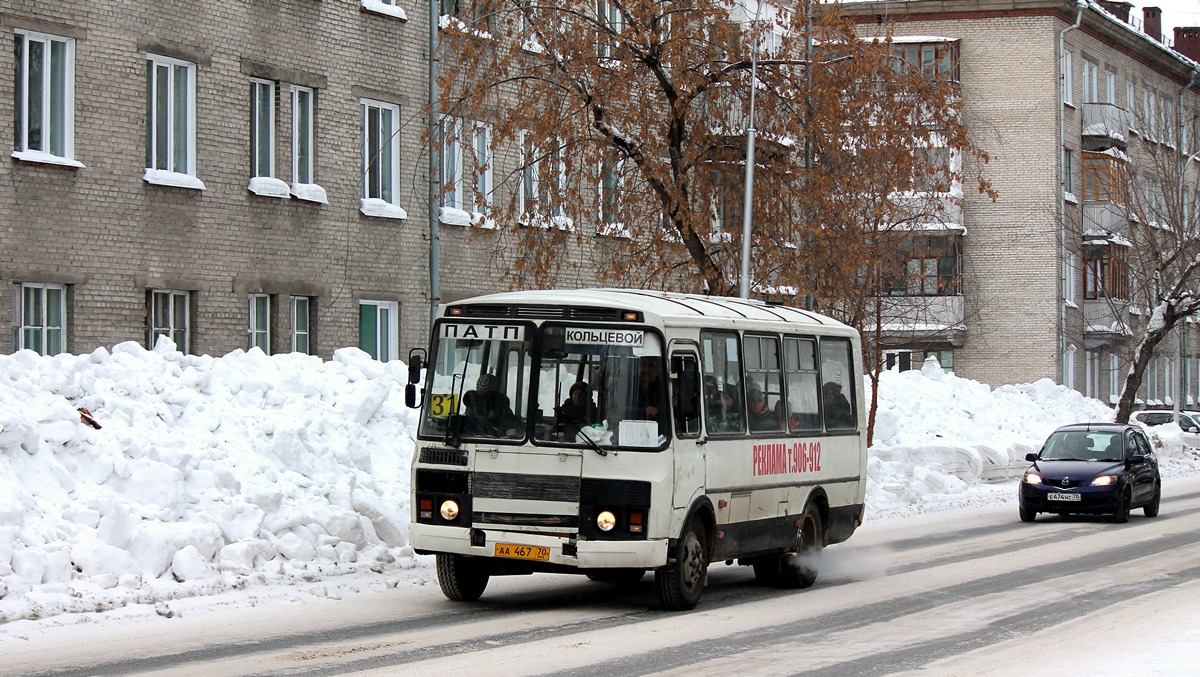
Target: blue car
pixel 1092 469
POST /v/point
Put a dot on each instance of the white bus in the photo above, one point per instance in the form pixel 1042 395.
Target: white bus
pixel 611 432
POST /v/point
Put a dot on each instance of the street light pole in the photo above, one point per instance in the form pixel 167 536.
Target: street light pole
pixel 748 201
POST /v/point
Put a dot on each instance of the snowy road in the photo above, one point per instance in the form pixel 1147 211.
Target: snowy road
pixel 971 591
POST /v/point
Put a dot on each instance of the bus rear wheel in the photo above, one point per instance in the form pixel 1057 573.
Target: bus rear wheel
pixel 680 584
pixel 796 569
pixel 462 578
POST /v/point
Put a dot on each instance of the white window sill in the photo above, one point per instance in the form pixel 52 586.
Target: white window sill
pixel 309 192
pixel 375 207
pixel 266 186
pixel 45 158
pixel 161 177
pixel 387 10
pixel 1070 197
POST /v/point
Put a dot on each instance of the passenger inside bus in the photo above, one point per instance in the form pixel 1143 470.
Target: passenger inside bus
pixel 762 417
pixel 838 413
pixel 488 412
pixel 578 410
pixel 650 393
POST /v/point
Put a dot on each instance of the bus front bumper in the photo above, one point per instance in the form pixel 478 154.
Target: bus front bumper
pixel 589 554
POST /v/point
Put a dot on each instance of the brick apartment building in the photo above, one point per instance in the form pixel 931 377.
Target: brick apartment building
pixel 1030 300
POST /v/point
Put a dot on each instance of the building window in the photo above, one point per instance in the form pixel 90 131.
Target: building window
pixel 44 110
pixel 42 310
pixel 170 317
pixel 945 358
pixel 934 60
pixel 1065 76
pixel 1068 358
pixel 171 115
pixel 1092 372
pixel 1068 175
pixel 262 127
pixel 302 135
pixel 451 158
pixel 1091 81
pixel 1103 178
pixel 1070 270
pixel 610 189
pixel 258 329
pixel 1114 377
pixel 611 23
pixel 302 325
pixel 1105 272
pixel 928 266
pixel 378 329
pixel 381 151
pixel 1110 86
pixel 482 143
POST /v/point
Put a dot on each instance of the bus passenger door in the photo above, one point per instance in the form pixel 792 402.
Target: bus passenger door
pixel 685 419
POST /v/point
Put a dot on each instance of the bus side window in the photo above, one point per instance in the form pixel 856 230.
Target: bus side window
pixel 838 387
pixel 721 366
pixel 685 394
pixel 800 364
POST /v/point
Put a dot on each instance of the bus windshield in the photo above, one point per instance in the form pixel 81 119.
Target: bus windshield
pixel 601 386
pixel 479 381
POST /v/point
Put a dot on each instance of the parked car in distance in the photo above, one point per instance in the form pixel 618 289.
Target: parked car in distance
pixel 1189 423
pixel 1092 469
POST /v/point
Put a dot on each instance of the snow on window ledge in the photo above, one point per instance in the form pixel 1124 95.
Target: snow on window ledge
pixel 379 7
pixel 1070 197
pixel 41 158
pixel 161 177
pixel 267 186
pixel 452 216
pixel 480 220
pixel 375 207
pixel 309 192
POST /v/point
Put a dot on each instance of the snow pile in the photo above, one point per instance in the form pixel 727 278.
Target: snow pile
pixel 250 472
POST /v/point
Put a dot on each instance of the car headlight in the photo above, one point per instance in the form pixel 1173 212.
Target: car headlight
pixel 449 510
pixel 1104 481
pixel 1032 478
pixel 606 521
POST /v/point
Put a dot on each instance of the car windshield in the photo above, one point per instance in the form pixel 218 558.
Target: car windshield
pixel 1082 446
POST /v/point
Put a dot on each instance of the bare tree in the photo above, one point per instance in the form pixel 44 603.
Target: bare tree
pixel 627 120
pixel 1158 184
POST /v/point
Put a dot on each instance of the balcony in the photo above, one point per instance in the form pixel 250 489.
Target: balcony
pixel 924 319
pixel 1105 322
pixel 1105 217
pixel 1106 122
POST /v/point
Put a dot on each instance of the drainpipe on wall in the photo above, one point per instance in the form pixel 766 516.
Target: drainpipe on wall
pixel 435 185
pixel 1184 381
pixel 1080 5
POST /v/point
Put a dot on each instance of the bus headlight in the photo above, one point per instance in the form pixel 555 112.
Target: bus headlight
pixel 606 521
pixel 449 510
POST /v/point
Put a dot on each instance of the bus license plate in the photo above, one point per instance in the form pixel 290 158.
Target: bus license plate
pixel 514 551
pixel 1062 496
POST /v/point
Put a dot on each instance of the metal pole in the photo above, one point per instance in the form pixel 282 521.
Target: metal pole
pixel 748 201
pixel 435 184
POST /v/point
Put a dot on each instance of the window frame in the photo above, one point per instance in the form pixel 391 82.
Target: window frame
pixel 56 144
pixel 262 126
pixel 300 335
pixel 169 158
pixel 390 310
pixel 42 327
pixel 303 137
pixel 173 297
pixel 484 157
pixel 451 159
pixel 375 189
pixel 258 326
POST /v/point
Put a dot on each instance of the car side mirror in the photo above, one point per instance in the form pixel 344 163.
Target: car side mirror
pixel 1136 459
pixel 1193 429
pixel 1031 457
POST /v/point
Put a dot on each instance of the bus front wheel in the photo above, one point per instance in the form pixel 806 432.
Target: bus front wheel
pixel 462 578
pixel 797 569
pixel 680 584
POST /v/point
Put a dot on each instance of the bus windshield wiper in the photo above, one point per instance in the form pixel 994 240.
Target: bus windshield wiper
pixel 579 433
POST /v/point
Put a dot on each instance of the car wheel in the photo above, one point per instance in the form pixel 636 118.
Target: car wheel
pixel 797 569
pixel 1151 508
pixel 1121 516
pixel 462 578
pixel 680 584
pixel 617 576
pixel 1027 515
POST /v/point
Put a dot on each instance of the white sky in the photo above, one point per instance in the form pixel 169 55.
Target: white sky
pixel 250 477
pixel 1184 13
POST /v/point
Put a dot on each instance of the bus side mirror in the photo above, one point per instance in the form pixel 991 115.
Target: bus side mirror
pixel 416 362
pixel 410 396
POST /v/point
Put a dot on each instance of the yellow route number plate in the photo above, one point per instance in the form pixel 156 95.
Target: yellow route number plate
pixel 514 551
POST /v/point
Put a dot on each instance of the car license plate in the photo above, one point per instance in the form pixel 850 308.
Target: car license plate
pixel 514 551
pixel 1062 496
